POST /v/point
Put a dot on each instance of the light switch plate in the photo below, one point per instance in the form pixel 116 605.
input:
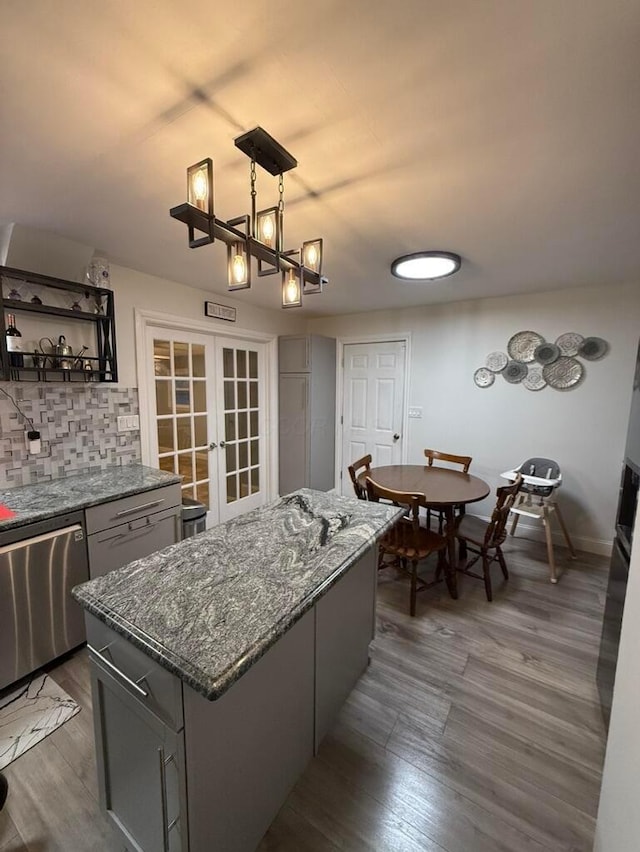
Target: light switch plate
pixel 128 422
pixel 415 412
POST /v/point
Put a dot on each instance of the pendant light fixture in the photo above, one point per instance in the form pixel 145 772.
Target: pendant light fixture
pixel 426 265
pixel 258 235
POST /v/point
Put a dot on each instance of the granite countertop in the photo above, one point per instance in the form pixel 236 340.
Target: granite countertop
pixel 44 500
pixel 208 607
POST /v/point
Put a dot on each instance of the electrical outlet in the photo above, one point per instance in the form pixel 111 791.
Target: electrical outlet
pixel 415 412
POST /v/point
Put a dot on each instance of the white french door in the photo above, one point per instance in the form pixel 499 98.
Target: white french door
pixel 208 425
pixel 373 386
pixel 241 426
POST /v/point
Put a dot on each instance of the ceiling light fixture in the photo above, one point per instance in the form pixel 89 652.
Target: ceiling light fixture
pixel 426 265
pixel 258 235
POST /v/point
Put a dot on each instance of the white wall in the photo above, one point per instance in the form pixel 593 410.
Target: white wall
pixel 583 429
pixel 134 289
pixel 618 826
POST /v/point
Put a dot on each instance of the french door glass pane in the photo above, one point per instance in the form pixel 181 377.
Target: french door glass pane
pixel 199 396
pixel 183 425
pixel 165 436
pixel 181 359
pixel 229 427
pixel 167 463
pixel 162 358
pixel 197 359
pixel 241 360
pixel 243 455
pixel 253 365
pixel 164 397
pixel 185 467
pixel 242 394
pixel 200 430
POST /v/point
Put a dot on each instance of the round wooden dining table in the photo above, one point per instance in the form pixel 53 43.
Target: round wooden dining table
pixel 443 489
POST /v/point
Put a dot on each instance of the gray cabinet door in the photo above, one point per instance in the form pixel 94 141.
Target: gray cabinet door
pixel 120 545
pixel 294 355
pixel 345 625
pixel 294 432
pixel 141 770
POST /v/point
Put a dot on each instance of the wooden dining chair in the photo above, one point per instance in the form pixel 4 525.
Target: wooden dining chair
pixel 464 462
pixel 484 539
pixel 360 466
pixel 407 542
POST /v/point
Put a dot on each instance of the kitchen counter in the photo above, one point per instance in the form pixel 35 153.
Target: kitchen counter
pixel 209 607
pixel 47 499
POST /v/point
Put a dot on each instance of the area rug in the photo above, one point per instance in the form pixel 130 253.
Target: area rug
pixel 30 713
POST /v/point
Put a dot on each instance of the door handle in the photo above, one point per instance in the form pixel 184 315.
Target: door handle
pixel 396 437
pixel 212 445
pixel 222 444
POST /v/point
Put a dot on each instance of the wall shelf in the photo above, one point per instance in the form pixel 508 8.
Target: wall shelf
pixel 93 306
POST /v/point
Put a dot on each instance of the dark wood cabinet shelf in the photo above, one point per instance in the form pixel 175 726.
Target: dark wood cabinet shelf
pixel 98 311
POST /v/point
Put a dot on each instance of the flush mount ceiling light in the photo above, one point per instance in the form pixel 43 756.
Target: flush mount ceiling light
pixel 258 235
pixel 426 265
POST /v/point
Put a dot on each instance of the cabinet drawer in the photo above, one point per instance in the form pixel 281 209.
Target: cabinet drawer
pixel 136 672
pixel 115 547
pixel 116 512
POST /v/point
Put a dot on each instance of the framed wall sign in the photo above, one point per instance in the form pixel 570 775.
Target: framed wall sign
pixel 223 312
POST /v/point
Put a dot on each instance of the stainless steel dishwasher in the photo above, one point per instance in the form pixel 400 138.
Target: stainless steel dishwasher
pixel 39 620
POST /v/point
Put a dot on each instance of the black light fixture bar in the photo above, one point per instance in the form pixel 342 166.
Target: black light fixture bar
pixel 258 145
pixel 229 234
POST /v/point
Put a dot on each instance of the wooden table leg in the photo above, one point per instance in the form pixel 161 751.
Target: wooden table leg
pixel 452 561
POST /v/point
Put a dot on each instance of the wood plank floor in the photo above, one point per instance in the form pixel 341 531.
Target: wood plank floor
pixel 475 729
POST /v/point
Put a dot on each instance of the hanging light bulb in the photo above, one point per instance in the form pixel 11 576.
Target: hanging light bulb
pixel 268 231
pixel 200 186
pixel 291 290
pixel 238 266
pixel 239 269
pixel 312 255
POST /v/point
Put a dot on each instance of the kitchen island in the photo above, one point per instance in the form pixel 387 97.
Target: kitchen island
pixel 219 663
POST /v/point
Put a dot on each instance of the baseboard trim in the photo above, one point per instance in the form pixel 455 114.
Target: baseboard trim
pixel 599 546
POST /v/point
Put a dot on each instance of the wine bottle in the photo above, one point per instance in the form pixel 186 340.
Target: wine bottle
pixel 14 343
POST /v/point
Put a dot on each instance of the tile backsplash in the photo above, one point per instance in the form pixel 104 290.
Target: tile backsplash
pixel 78 428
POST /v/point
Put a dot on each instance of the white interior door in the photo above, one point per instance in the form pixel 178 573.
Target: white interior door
pixel 209 422
pixel 372 404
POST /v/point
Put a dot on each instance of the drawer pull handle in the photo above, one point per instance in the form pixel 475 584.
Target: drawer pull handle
pixel 139 508
pixel 134 684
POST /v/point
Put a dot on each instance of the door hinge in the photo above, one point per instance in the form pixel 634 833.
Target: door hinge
pixel 341 420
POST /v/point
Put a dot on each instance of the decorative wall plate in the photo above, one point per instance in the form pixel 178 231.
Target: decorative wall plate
pixel 496 361
pixel 522 346
pixel 569 343
pixel 593 348
pixel 514 372
pixel 483 377
pixel 547 353
pixel 534 380
pixel 564 373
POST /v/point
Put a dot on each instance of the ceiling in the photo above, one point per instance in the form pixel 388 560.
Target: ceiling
pixel 504 131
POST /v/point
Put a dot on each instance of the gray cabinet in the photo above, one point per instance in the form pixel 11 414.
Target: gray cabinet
pixel 307 405
pixel 139 752
pixel 131 528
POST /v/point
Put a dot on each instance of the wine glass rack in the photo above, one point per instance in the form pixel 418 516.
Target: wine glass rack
pixel 51 297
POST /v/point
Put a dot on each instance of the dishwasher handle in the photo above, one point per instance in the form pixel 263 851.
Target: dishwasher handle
pixel 27 542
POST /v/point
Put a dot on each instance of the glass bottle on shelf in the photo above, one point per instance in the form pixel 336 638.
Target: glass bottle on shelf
pixel 14 343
